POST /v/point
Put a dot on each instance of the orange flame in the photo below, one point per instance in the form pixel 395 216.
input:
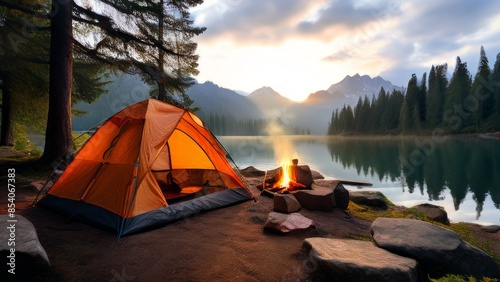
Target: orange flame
pixel 286 176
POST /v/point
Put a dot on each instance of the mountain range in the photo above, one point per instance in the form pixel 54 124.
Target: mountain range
pixel 312 114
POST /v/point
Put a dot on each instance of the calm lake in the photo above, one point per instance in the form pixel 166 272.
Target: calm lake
pixel 461 174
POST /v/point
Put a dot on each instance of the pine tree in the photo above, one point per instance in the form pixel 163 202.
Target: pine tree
pixel 380 109
pixel 395 104
pixel 482 91
pixel 436 95
pixel 457 91
pixel 412 99
pixel 23 65
pixel 358 116
pixel 152 38
pixel 430 101
pixel 495 82
pixel 422 92
pixel 405 118
pixel 349 120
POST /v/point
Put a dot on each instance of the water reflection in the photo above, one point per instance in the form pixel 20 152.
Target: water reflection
pixel 464 169
pixel 461 165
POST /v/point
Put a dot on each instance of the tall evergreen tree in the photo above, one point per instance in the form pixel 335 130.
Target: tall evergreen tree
pixel 431 94
pixel 495 82
pixel 482 91
pixel 422 92
pixel 58 138
pixel 457 91
pixel 394 110
pixel 436 95
pixel 405 122
pixel 152 38
pixel 380 109
pixel 23 65
pixel 412 99
pixel 359 116
pixel 366 112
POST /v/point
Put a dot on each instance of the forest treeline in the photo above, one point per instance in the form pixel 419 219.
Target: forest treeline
pixel 229 126
pixel 460 105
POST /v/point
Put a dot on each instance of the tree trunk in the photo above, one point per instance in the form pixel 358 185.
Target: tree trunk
pixel 58 139
pixel 7 133
pixel 161 57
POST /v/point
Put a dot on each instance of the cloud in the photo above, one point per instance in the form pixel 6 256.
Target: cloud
pixel 252 21
pixel 349 14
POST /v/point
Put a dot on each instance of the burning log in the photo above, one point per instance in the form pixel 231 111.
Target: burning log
pixel 293 185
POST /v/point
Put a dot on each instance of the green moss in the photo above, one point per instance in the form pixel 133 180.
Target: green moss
pixel 458 278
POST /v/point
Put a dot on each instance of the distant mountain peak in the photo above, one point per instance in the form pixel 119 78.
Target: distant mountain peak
pixel 265 90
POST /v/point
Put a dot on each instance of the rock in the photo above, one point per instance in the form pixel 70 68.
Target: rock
pixel 490 228
pixel 433 212
pixel 341 196
pixel 439 251
pixel 340 193
pixel 325 183
pixel 285 203
pixel 287 222
pixel 302 175
pixel 321 199
pixel 29 258
pixel 251 171
pixel 373 199
pixel 316 175
pixel 354 260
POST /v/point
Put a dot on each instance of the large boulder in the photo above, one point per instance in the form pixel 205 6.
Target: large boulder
pixel 341 195
pixel 285 223
pixel 285 203
pixel 353 260
pixel 439 251
pixel 373 199
pixel 321 199
pixel 26 260
pixel 433 212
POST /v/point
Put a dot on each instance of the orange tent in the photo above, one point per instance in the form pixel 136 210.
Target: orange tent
pixel 147 165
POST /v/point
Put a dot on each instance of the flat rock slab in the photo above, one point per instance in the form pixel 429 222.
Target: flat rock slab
pixel 439 251
pixel 354 260
pixel 285 223
pixel 29 258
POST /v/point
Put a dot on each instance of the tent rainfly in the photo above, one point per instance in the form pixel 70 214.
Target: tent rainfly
pixel 150 164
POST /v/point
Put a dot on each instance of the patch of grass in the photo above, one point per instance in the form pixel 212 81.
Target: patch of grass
pixel 23 143
pixel 465 232
pixel 367 213
pixel 458 278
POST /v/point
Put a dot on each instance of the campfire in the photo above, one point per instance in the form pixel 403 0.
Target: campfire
pixel 289 177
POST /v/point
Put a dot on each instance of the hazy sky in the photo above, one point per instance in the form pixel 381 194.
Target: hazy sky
pixel 301 46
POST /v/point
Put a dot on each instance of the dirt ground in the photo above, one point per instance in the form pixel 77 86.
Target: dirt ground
pixel 228 244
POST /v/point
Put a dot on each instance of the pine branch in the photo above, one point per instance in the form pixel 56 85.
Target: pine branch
pixel 15 6
pixel 106 24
